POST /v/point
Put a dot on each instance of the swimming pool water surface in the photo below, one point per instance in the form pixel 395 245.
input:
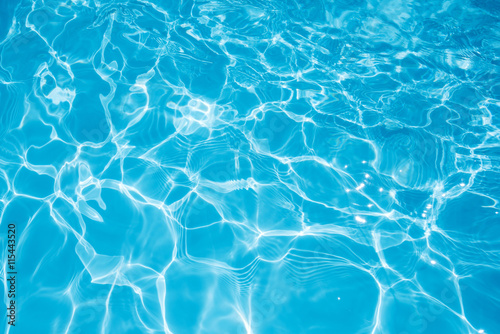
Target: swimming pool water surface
pixel 255 166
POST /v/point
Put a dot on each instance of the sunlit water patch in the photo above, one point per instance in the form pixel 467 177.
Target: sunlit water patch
pixel 251 166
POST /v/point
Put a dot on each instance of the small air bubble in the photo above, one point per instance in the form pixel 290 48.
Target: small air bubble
pixel 433 262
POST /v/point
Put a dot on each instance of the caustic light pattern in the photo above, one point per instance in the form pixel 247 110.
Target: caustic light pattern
pixel 251 166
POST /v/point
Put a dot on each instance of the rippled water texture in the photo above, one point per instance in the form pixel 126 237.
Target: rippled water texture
pixel 253 166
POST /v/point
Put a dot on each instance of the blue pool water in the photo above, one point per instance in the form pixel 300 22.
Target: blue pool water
pixel 258 166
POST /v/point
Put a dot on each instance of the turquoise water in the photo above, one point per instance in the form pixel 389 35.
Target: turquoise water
pixel 251 166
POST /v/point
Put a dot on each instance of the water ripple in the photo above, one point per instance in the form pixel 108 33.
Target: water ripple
pixel 251 166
